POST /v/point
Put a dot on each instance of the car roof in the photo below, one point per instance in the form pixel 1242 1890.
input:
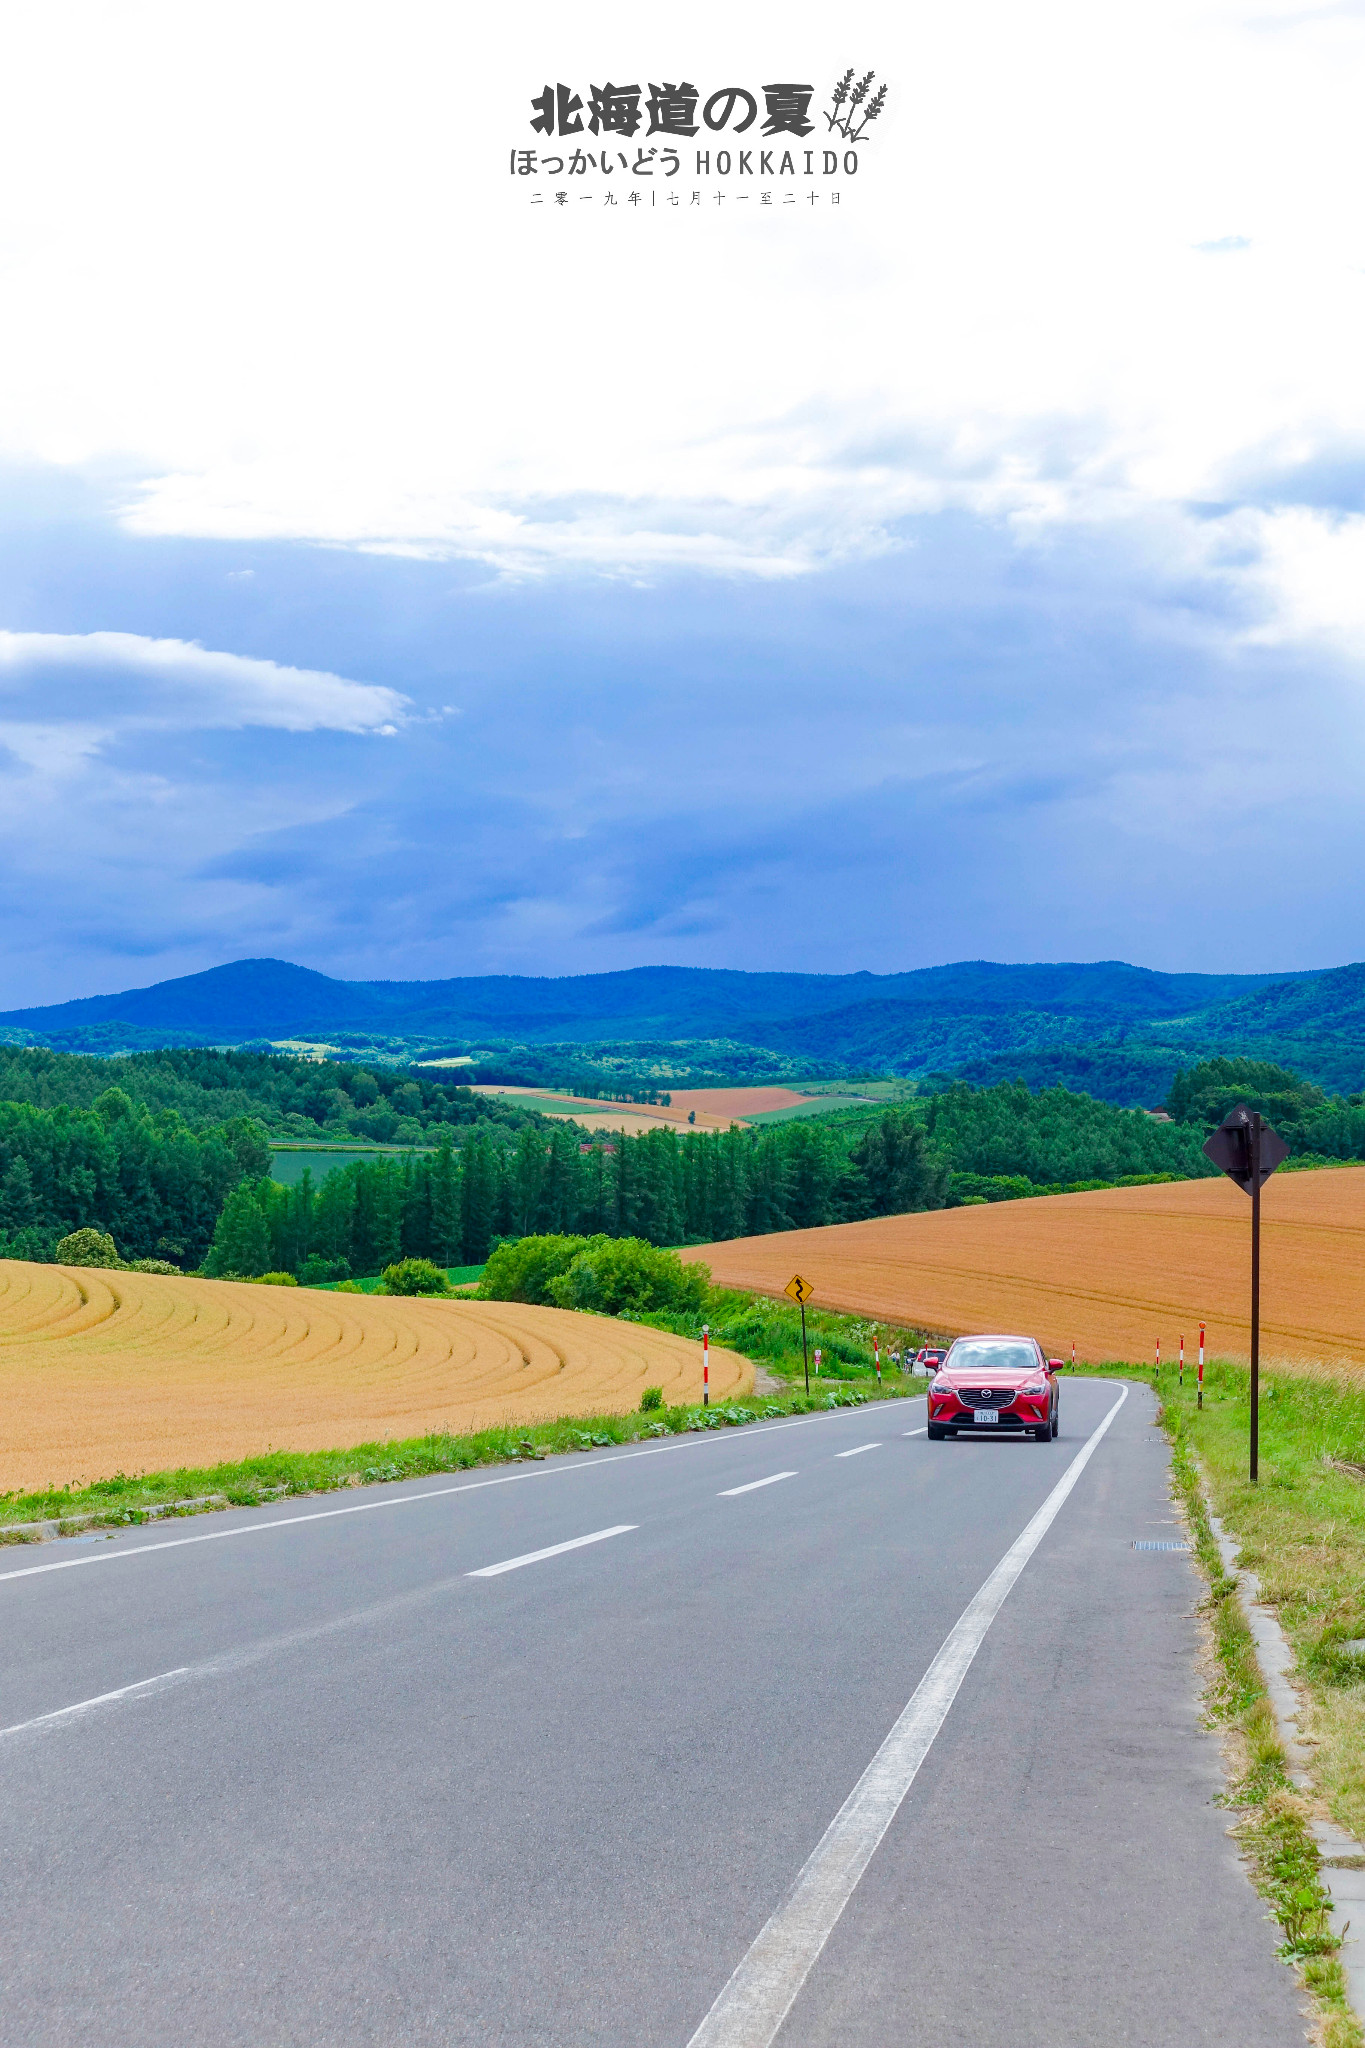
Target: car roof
pixel 998 1337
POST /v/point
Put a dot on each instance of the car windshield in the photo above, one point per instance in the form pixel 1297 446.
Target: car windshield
pixel 1004 1356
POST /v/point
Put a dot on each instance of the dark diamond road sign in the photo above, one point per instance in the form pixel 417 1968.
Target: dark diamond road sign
pixel 1230 1148
pixel 1248 1151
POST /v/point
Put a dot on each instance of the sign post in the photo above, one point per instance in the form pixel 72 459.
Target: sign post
pixel 1248 1151
pixel 801 1291
pixel 817 1361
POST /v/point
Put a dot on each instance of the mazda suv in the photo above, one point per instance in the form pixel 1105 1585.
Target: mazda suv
pixel 990 1386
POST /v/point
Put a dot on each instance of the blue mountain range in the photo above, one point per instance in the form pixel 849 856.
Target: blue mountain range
pixel 1110 1027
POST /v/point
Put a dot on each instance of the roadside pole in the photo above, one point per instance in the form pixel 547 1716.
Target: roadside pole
pixel 706 1365
pixel 1254 1148
pixel 1248 1151
pixel 1158 1361
pixel 817 1361
pixel 1073 1354
pixel 1201 1365
pixel 877 1358
pixel 800 1291
pixel 1182 1361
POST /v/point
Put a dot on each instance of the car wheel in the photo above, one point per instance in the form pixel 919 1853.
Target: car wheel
pixel 1043 1435
pixel 935 1434
pixel 1056 1424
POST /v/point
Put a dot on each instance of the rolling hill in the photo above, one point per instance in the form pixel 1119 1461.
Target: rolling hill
pixel 1111 1271
pixel 1112 1029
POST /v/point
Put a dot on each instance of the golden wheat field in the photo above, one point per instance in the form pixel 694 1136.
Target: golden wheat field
pixel 1114 1270
pixel 104 1372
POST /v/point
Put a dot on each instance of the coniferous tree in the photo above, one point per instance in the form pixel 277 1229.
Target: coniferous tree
pixel 479 1198
pixel 446 1229
pixel 241 1239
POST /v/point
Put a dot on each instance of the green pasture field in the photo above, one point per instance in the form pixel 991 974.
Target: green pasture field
pixel 372 1283
pixel 822 1105
pixel 289 1163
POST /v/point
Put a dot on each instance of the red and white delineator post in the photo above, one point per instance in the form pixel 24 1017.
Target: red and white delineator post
pixel 1182 1358
pixel 1201 1365
pixel 1158 1358
pixel 877 1357
pixel 817 1361
pixel 706 1365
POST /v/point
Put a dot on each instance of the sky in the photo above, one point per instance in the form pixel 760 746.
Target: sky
pixel 409 575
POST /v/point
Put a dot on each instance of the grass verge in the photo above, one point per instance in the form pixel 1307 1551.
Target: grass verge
pixel 1302 1530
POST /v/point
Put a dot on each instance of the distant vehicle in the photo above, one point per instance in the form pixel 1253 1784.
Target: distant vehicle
pixel 929 1358
pixel 987 1386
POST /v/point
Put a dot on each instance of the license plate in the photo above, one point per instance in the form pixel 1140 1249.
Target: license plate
pixel 985 1415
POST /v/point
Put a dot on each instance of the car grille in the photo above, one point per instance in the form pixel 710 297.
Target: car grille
pixel 987 1397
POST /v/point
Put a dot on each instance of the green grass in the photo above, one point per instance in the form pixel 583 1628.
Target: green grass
pixel 821 1105
pixel 1302 1530
pixel 124 1499
pixel 768 1330
pixel 289 1163
pixel 372 1283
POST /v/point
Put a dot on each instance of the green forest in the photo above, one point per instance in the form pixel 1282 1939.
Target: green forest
pixel 669 1188
pixel 291 1097
pixel 154 1184
pixel 167 1180
pixel 453 1207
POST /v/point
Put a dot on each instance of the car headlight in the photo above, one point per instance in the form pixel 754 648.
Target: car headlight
pixel 938 1385
pixel 1038 1386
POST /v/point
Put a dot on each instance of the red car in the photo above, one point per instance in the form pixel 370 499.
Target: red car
pixel 987 1385
pixel 929 1358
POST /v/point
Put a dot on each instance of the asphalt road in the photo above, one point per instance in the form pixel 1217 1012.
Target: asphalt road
pixel 375 1799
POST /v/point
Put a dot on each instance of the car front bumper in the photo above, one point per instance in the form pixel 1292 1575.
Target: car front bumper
pixel 1013 1418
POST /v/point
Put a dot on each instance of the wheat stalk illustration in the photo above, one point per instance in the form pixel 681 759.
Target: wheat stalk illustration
pixel 837 98
pixel 870 113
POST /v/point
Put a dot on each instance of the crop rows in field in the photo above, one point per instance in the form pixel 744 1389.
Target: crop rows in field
pixel 102 1372
pixel 1113 1270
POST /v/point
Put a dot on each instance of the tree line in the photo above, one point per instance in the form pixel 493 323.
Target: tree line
pixel 154 1184
pixel 1055 1136
pixel 662 1186
pixel 165 1190
pixel 292 1097
pixel 1306 1116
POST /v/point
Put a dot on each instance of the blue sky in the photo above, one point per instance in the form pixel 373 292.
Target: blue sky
pixel 404 582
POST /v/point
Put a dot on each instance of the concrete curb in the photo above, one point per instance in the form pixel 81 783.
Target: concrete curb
pixel 1343 1858
pixel 69 1525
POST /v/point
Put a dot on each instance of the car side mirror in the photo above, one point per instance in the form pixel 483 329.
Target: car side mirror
pixel 1055 1364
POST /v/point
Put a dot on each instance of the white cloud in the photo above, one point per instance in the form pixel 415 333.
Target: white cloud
pixel 1311 565
pixel 117 681
pixel 354 329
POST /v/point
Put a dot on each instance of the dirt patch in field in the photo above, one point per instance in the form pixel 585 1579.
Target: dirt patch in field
pixel 137 1372
pixel 725 1104
pixel 598 1114
pixel 1114 1270
pixel 714 1109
